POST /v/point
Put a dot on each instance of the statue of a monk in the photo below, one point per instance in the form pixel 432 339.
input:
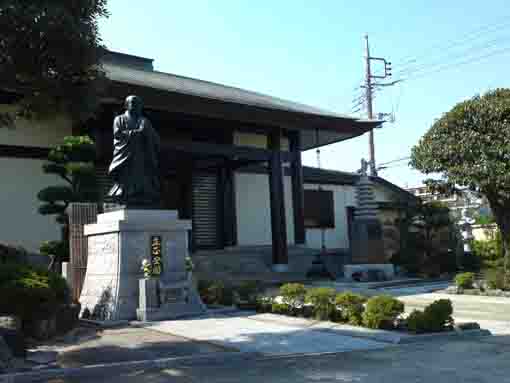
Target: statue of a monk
pixel 135 163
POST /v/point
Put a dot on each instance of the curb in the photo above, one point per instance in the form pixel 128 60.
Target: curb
pixel 441 335
pixel 100 370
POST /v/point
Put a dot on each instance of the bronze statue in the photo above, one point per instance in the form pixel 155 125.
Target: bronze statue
pixel 135 163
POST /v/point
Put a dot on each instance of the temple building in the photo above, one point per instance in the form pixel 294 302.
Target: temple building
pixel 230 162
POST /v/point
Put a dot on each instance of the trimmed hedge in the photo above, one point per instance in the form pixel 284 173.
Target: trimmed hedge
pixel 381 312
pixel 293 295
pixel 435 318
pixel 465 280
pixel 350 307
pixel 322 299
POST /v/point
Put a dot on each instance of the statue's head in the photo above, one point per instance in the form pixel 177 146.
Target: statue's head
pixel 134 104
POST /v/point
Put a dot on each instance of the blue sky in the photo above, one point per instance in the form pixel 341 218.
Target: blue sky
pixel 312 52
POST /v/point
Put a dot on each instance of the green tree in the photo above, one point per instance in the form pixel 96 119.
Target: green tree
pixel 73 162
pixel 470 147
pixel 50 51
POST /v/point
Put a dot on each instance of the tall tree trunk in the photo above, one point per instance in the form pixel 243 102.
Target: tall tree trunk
pixel 502 216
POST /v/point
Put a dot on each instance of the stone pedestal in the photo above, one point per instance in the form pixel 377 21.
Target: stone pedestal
pixel 117 244
pixel 162 300
pixel 367 243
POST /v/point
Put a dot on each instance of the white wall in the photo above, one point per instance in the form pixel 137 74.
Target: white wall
pixel 335 238
pixel 253 209
pixel 20 223
pixel 257 140
pixel 35 133
pixel 250 139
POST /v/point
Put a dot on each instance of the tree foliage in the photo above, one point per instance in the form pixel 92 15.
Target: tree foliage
pixel 428 239
pixel 50 51
pixel 470 147
pixel 73 162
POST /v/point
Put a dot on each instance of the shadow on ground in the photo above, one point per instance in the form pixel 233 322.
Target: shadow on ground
pixel 131 344
pixel 481 360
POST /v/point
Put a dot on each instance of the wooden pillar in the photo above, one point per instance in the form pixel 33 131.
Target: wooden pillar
pixel 227 193
pixel 297 189
pixel 277 204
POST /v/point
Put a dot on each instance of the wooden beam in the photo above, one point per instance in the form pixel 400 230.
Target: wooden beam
pixel 206 149
pixel 296 170
pixel 277 204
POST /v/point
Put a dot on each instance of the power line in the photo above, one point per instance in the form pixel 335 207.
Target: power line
pixel 457 64
pixel 396 160
pixel 446 59
pixel 468 37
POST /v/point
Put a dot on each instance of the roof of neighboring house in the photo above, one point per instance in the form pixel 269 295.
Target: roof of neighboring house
pixel 336 177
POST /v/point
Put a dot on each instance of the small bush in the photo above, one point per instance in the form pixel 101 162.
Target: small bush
pixel 293 295
pixel 322 299
pixel 439 315
pixel 264 304
pixel 495 279
pixel 350 307
pixel 247 291
pixel 215 293
pixel 31 293
pixel 382 311
pixel 280 308
pixel 435 318
pixel 465 280
pixel 416 321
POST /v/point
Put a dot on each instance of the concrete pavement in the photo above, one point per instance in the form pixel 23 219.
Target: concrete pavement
pixel 482 360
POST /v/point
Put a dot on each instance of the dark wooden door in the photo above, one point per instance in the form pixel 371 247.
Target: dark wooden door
pixel 205 211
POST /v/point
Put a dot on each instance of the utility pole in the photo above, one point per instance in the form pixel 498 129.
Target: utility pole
pixel 368 90
pixel 368 96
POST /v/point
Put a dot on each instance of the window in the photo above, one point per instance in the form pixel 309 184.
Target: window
pixel 319 209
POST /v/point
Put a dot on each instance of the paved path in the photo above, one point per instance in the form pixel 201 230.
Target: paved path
pixel 482 360
pixel 491 313
pixel 269 334
pixel 128 344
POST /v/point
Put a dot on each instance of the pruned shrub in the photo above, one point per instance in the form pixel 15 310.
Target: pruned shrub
pixel 495 279
pixel 465 280
pixel 382 311
pixel 280 308
pixel 215 293
pixel 350 307
pixel 322 299
pixel 264 304
pixel 247 291
pixel 29 292
pixel 435 318
pixel 293 295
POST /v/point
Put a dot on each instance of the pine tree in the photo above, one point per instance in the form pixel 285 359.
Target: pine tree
pixel 73 162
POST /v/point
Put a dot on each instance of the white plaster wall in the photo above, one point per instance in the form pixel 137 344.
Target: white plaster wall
pixel 46 133
pixel 253 209
pixel 250 139
pixel 257 140
pixel 20 223
pixel 335 238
